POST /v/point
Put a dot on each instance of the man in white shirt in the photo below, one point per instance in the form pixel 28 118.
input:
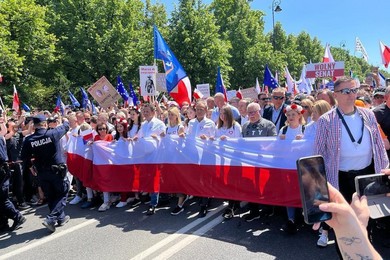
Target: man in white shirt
pixel 150 127
pixel 203 128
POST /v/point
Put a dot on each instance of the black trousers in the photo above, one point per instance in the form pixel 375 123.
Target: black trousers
pixel 56 190
pixel 7 208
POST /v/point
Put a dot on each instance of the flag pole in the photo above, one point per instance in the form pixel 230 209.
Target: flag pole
pixel 2 105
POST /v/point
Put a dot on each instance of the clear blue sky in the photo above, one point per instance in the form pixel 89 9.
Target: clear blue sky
pixel 334 22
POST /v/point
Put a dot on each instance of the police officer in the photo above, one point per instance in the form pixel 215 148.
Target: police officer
pixel 44 148
pixel 7 209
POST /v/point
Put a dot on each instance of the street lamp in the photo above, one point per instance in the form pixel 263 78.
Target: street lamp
pixel 275 8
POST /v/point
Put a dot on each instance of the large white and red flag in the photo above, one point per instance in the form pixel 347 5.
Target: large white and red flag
pixel 327 55
pixel 197 94
pixel 16 101
pixel 253 169
pixel 385 54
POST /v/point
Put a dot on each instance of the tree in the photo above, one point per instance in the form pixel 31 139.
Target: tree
pixel 27 48
pixel 194 39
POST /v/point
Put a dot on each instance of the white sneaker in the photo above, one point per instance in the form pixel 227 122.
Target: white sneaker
pixel 75 200
pixel 105 206
pixel 121 204
pixel 323 240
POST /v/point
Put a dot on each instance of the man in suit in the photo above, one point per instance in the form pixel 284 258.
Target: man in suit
pixel 275 113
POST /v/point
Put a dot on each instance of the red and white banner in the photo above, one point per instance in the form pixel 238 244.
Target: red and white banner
pixel 247 169
pixel 325 70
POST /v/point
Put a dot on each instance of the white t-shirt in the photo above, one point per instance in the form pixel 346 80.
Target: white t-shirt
pixel 174 130
pixel 196 128
pixel 232 132
pixel 354 156
pixel 131 133
pixel 291 133
pixel 148 128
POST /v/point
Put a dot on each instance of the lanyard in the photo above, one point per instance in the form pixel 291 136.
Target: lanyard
pixel 348 130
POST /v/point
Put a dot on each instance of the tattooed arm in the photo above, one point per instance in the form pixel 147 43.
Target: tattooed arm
pixel 349 223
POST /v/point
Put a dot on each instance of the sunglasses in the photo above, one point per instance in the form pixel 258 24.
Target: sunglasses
pixel 347 91
pixel 277 97
pixel 265 99
pixel 305 107
pixel 379 97
pixel 100 129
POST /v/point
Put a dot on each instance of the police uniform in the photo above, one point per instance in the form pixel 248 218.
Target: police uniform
pixel 44 147
pixel 7 208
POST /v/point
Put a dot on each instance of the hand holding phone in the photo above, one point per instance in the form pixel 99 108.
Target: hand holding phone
pixel 313 188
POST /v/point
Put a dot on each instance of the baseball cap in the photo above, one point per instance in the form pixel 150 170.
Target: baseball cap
pixel 379 91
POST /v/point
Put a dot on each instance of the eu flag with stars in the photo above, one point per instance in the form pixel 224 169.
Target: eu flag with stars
pixel 121 89
pixel 269 80
pixel 133 95
pixel 84 96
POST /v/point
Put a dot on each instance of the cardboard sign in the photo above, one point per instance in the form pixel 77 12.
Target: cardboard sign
pixel 325 70
pixel 148 79
pixel 104 93
pixel 204 89
pixel 249 93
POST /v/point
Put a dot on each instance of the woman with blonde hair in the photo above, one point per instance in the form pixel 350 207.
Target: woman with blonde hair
pixel 307 106
pixel 319 108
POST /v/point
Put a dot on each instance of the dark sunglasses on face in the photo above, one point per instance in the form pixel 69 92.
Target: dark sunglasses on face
pixel 100 129
pixel 347 91
pixel 265 99
pixel 378 97
pixel 277 97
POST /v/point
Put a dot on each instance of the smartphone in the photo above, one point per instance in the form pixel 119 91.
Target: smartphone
pixel 313 188
pixel 376 187
pixel 372 184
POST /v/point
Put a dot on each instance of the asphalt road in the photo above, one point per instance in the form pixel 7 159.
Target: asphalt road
pixel 124 233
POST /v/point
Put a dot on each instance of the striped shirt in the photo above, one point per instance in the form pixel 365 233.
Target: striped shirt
pixel 328 140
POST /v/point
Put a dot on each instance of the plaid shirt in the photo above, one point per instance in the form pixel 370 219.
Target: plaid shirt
pixel 328 139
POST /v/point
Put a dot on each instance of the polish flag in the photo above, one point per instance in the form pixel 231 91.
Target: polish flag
pixel 197 94
pixel 239 94
pixel 230 169
pixel 87 135
pixel 16 101
pixel 327 55
pixel 385 54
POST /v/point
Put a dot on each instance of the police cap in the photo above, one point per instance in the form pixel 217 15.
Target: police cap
pixel 38 119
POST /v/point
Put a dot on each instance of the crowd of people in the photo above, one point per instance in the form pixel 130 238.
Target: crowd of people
pixel 350 126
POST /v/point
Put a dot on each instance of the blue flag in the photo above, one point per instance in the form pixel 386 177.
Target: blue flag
pixel 121 89
pixel 174 72
pixel 93 108
pixel 60 106
pixel 85 100
pixel 25 107
pixel 269 80
pixel 74 101
pixel 133 95
pixel 219 86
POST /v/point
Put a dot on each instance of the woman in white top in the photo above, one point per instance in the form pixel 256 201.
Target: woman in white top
pixel 294 124
pixel 175 128
pixel 293 129
pixel 134 122
pixel 227 127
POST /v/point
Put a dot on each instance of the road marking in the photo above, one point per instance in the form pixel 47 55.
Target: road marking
pixel 47 239
pixel 189 239
pixel 177 234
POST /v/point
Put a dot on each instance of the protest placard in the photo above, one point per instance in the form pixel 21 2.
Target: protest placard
pixel 104 93
pixel 148 79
